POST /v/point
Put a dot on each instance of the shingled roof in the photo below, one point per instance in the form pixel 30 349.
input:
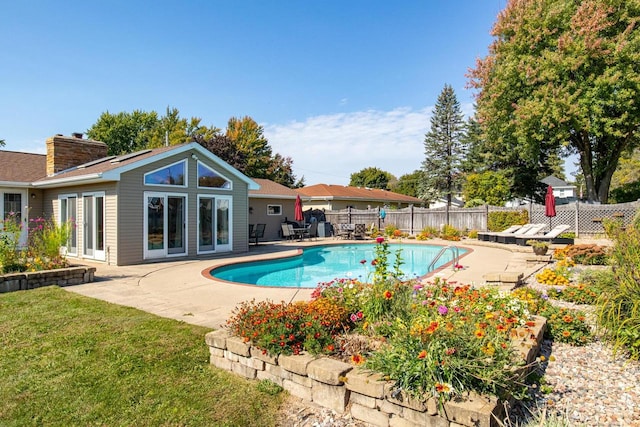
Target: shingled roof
pixel 22 167
pixel 271 189
pixel 341 192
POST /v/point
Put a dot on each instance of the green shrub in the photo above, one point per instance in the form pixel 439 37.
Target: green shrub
pixel 427 233
pixel 563 325
pixel 11 256
pixel 500 220
pixel 449 232
pixel 619 302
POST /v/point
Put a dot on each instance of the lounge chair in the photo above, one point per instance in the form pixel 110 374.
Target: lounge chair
pixel 493 237
pixel 548 237
pixel 487 235
pixel 532 231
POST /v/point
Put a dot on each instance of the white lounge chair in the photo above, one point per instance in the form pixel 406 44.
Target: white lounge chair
pixel 547 237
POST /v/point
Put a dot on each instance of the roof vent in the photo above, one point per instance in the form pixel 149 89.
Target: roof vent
pixel 77 135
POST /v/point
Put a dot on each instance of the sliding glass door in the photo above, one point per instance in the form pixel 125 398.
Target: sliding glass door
pixel 93 225
pixel 214 219
pixel 165 225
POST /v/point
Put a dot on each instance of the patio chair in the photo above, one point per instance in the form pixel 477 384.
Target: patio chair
pixel 370 230
pixel 257 233
pixel 535 229
pixel 359 231
pixel 311 231
pixel 341 231
pixel 287 232
pixel 486 235
pixel 548 237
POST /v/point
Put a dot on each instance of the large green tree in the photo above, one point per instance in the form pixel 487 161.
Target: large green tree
pixel 124 132
pixel 444 149
pixel 561 74
pixel 488 187
pixel 371 177
pixel 408 184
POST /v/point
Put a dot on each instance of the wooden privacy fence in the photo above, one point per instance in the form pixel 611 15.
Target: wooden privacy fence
pixel 584 218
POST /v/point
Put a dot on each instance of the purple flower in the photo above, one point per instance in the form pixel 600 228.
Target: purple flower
pixel 443 310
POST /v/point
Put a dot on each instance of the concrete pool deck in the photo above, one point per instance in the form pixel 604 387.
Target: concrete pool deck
pixel 179 290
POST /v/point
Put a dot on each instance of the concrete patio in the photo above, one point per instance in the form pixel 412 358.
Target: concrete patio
pixel 182 290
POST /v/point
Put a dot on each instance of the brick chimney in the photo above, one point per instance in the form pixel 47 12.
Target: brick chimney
pixel 64 152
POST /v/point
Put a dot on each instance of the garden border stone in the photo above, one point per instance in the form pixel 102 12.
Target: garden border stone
pixel 74 275
pixel 366 396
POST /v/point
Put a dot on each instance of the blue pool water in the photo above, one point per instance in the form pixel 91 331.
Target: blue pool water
pixel 325 263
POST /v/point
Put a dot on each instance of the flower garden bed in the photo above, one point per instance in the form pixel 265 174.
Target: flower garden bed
pixel 74 275
pixel 364 394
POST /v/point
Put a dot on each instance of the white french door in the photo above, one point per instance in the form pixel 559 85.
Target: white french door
pixel 214 224
pixel 93 225
pixel 165 225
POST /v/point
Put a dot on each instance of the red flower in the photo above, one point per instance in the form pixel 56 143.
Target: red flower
pixel 380 239
pixel 387 294
pixel 374 262
pixel 364 261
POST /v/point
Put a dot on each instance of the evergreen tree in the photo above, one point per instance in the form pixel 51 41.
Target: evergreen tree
pixel 444 149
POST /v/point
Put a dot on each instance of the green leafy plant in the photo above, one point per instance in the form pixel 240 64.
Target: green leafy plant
pixel 46 237
pixel 500 220
pixel 563 325
pixel 11 256
pixel 290 328
pixel 538 244
pixel 619 302
pixel 427 233
pixel 449 232
pixel 579 293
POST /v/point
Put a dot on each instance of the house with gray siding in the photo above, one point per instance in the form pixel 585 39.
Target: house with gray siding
pixel 157 204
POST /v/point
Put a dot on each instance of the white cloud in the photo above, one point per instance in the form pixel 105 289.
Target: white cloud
pixel 329 148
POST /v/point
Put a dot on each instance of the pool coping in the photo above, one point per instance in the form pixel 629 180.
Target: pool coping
pixel 207 272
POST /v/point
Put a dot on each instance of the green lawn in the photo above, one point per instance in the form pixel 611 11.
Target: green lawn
pixel 71 360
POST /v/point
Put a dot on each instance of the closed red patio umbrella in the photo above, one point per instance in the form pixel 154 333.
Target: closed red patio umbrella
pixel 298 216
pixel 549 204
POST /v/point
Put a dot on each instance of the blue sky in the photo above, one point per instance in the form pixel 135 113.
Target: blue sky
pixel 337 85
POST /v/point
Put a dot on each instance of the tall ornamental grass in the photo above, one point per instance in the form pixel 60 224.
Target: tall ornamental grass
pixel 619 303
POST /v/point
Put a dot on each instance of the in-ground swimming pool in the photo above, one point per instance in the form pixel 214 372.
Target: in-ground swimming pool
pixel 325 263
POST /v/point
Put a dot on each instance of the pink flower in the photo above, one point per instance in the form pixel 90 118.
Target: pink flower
pixel 443 310
pixel 379 239
pixel 417 287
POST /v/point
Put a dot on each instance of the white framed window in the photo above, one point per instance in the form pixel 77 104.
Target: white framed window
pixel 274 210
pixel 208 178
pixel 68 213
pixel 173 175
pixel 13 207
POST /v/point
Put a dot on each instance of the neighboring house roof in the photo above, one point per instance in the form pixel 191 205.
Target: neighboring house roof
pixel 109 168
pixel 555 182
pixel 341 192
pixel 271 190
pixel 20 169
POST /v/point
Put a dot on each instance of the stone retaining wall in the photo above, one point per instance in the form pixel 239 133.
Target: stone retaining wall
pixel 343 387
pixel 37 279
